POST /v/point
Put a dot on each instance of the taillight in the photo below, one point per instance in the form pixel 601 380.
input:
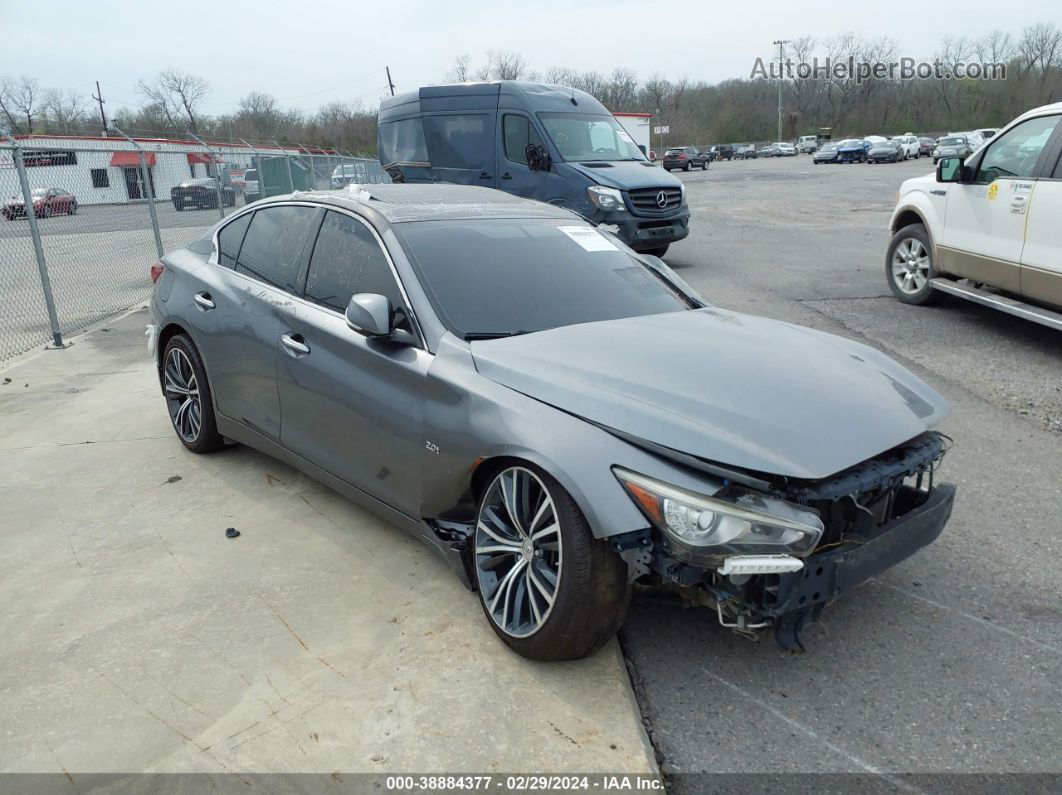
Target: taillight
pixel 156 271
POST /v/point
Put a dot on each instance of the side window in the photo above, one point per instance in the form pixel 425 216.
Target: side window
pixel 347 260
pixel 1015 153
pixel 230 238
pixel 274 245
pixel 518 133
pixel 460 140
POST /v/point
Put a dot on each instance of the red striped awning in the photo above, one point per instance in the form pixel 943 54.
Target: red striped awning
pixel 131 159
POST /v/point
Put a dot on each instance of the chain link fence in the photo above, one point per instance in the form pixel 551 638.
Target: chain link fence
pixel 84 219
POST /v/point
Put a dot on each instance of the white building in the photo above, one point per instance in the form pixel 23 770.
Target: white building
pixel 107 170
pixel 637 127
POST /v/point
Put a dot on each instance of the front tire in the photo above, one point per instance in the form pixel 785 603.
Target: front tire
pixel 188 397
pixel 909 266
pixel 656 252
pixel 550 590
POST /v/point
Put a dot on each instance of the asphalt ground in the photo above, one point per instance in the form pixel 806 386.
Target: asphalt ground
pixel 951 661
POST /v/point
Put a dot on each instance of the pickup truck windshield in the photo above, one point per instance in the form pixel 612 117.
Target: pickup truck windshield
pixel 580 137
pixel 497 278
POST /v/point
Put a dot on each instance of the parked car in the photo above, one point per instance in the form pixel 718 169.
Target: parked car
pixel 746 153
pixel 652 155
pixel 769 151
pixel 721 152
pixel 783 149
pixel 986 132
pixel 926 146
pixel 250 186
pixel 827 153
pixel 909 146
pixel 553 452
pixel 985 228
pixel 952 146
pixel 807 144
pixel 554 144
pixel 46 203
pixel 685 158
pixel 202 194
pixel 853 150
pixel 346 174
pixel 885 152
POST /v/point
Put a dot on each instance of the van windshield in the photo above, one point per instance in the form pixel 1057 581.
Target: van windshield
pixel 589 136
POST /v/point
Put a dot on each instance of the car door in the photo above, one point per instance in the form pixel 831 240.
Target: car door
pixel 515 133
pixel 1041 259
pixel 350 404
pixel 461 147
pixel 237 305
pixel 984 223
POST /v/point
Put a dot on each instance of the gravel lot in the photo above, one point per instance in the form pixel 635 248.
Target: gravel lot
pixel 950 662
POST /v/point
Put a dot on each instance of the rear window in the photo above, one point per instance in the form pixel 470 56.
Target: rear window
pixel 274 245
pixel 250 174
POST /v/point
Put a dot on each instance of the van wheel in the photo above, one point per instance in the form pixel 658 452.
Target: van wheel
pixel 909 266
pixel 550 590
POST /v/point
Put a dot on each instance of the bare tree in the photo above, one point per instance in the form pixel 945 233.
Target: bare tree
pixel 1040 49
pixel 7 88
pixel 506 65
pixel 24 97
pixel 461 71
pixel 65 111
pixel 176 94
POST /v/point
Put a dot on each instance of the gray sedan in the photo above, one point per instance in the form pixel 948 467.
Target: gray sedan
pixel 557 415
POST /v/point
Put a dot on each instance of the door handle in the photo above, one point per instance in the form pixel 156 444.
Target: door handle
pixel 506 175
pixel 203 301
pixel 295 344
pixel 484 175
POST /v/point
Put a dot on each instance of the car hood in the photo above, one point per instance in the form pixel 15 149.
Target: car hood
pixel 627 174
pixel 729 388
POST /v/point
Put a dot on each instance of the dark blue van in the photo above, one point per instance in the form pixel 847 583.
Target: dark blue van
pixel 550 143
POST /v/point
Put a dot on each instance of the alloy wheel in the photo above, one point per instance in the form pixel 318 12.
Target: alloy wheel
pixel 518 552
pixel 910 265
pixel 182 395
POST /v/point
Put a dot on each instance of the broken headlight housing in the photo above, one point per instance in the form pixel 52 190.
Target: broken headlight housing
pixel 704 529
pixel 608 199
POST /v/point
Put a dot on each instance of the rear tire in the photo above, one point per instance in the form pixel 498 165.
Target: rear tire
pixel 909 266
pixel 188 397
pixel 550 590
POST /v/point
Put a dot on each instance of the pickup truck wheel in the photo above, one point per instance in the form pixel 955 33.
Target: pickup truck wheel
pixel 550 590
pixel 909 266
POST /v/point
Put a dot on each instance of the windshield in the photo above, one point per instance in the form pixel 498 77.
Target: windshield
pixel 501 277
pixel 588 136
pixel 952 141
pixel 39 192
pixel 829 147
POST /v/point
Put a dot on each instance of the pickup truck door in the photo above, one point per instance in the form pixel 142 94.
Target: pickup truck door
pixel 984 223
pixel 1041 260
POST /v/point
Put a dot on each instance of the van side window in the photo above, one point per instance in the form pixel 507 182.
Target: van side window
pixel 1016 152
pixel 458 140
pixel 518 133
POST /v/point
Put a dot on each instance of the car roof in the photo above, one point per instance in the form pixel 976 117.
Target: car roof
pixel 404 203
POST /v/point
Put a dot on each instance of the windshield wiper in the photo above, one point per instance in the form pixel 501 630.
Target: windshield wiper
pixel 492 335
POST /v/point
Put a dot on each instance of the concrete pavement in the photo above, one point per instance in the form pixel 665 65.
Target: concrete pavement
pixel 137 637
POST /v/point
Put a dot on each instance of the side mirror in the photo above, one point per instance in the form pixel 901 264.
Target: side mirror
pixel 537 157
pixel 950 169
pixel 369 314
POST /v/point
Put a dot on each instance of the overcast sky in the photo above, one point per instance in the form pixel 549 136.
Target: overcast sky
pixel 310 53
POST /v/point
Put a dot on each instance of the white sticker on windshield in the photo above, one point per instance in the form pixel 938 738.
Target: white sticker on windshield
pixel 588 237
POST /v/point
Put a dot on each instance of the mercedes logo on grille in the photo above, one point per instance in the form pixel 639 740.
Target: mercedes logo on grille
pixel 661 199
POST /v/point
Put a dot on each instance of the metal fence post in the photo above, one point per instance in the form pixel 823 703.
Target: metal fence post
pixel 217 173
pixel 287 162
pixel 38 247
pixel 145 175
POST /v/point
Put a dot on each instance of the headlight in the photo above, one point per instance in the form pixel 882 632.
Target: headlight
pixel 609 199
pixel 702 529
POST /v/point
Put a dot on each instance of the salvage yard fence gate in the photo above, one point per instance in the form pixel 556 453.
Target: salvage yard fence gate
pixel 81 220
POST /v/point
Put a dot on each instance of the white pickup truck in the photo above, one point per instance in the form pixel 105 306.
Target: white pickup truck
pixel 987 227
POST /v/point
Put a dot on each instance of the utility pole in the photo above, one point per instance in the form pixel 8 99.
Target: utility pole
pixel 389 83
pixel 781 55
pixel 98 96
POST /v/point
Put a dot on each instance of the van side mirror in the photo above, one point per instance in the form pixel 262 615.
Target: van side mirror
pixel 537 157
pixel 951 169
